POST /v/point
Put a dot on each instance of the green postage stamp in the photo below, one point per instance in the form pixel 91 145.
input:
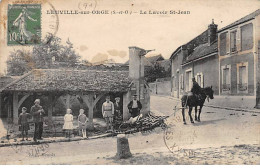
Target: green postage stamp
pixel 24 24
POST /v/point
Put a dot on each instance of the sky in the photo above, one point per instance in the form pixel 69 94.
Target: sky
pixel 98 36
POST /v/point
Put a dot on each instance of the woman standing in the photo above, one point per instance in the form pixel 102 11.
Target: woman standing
pixel 118 118
pixel 68 123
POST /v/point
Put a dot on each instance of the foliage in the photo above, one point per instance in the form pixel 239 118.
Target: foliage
pixel 19 62
pixel 154 72
pixel 51 51
pixel 49 54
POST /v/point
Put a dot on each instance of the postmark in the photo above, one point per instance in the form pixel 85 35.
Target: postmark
pixel 24 24
pixel 28 147
pixel 179 141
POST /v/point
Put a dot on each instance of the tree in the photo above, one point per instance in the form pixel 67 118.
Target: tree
pixel 49 54
pixel 19 62
pixel 155 72
pixel 51 51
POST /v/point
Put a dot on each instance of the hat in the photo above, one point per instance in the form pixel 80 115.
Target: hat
pixel 24 108
pixel 37 100
pixel 117 98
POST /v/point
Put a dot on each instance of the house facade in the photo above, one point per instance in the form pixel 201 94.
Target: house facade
pixel 239 57
pixel 198 58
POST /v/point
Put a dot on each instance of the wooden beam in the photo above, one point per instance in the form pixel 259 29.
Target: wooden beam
pixel 98 98
pixel 88 99
pixel 15 108
pixel 67 101
pixel 22 100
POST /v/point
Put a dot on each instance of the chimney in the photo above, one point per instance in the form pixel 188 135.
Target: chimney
pixel 184 51
pixel 136 63
pixel 212 32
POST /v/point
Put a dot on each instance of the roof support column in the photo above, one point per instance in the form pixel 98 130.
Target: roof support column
pixel 1 113
pixel 50 107
pixel 15 108
pixel 90 112
pixel 91 102
pixel 67 101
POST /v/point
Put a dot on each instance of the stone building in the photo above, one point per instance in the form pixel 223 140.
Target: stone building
pixel 239 59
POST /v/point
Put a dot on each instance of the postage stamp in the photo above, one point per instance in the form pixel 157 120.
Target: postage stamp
pixel 24 24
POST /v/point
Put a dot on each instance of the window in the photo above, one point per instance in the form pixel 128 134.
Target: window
pixel 181 82
pixel 199 79
pixel 226 78
pixel 247 37
pixel 233 40
pixel 223 44
pixel 242 77
pixel 188 80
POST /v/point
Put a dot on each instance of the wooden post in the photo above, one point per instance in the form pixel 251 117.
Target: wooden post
pixel 67 101
pixel 123 150
pixel 50 107
pixel 90 112
pixel 15 108
pixel 1 112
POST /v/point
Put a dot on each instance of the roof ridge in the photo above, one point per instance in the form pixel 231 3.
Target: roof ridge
pixel 81 70
pixel 240 20
pixel 17 80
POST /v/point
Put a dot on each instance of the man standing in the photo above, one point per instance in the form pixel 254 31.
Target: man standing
pixel 134 107
pixel 196 89
pixel 108 112
pixel 37 113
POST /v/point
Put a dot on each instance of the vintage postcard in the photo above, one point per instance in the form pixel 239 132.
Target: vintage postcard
pixel 127 82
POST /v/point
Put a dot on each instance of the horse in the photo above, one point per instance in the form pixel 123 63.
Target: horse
pixel 194 101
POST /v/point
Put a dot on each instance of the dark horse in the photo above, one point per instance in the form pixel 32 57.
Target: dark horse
pixel 193 101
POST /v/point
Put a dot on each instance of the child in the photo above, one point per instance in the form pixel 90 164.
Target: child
pixel 82 120
pixel 24 123
pixel 68 123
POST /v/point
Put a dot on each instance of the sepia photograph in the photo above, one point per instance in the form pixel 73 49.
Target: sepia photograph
pixel 127 82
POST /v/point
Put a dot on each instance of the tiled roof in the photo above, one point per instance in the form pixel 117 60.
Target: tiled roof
pixel 201 51
pixel 195 42
pixel 149 61
pixel 41 80
pixel 4 80
pixel 153 59
pixel 242 20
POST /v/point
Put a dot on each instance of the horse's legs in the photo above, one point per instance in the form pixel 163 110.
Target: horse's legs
pixel 196 113
pixel 191 120
pixel 183 113
pixel 199 113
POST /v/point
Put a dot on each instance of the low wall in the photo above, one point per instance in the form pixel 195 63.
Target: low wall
pixel 161 87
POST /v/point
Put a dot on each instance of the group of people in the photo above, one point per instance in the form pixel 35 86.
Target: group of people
pixel 37 113
pixel 112 113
